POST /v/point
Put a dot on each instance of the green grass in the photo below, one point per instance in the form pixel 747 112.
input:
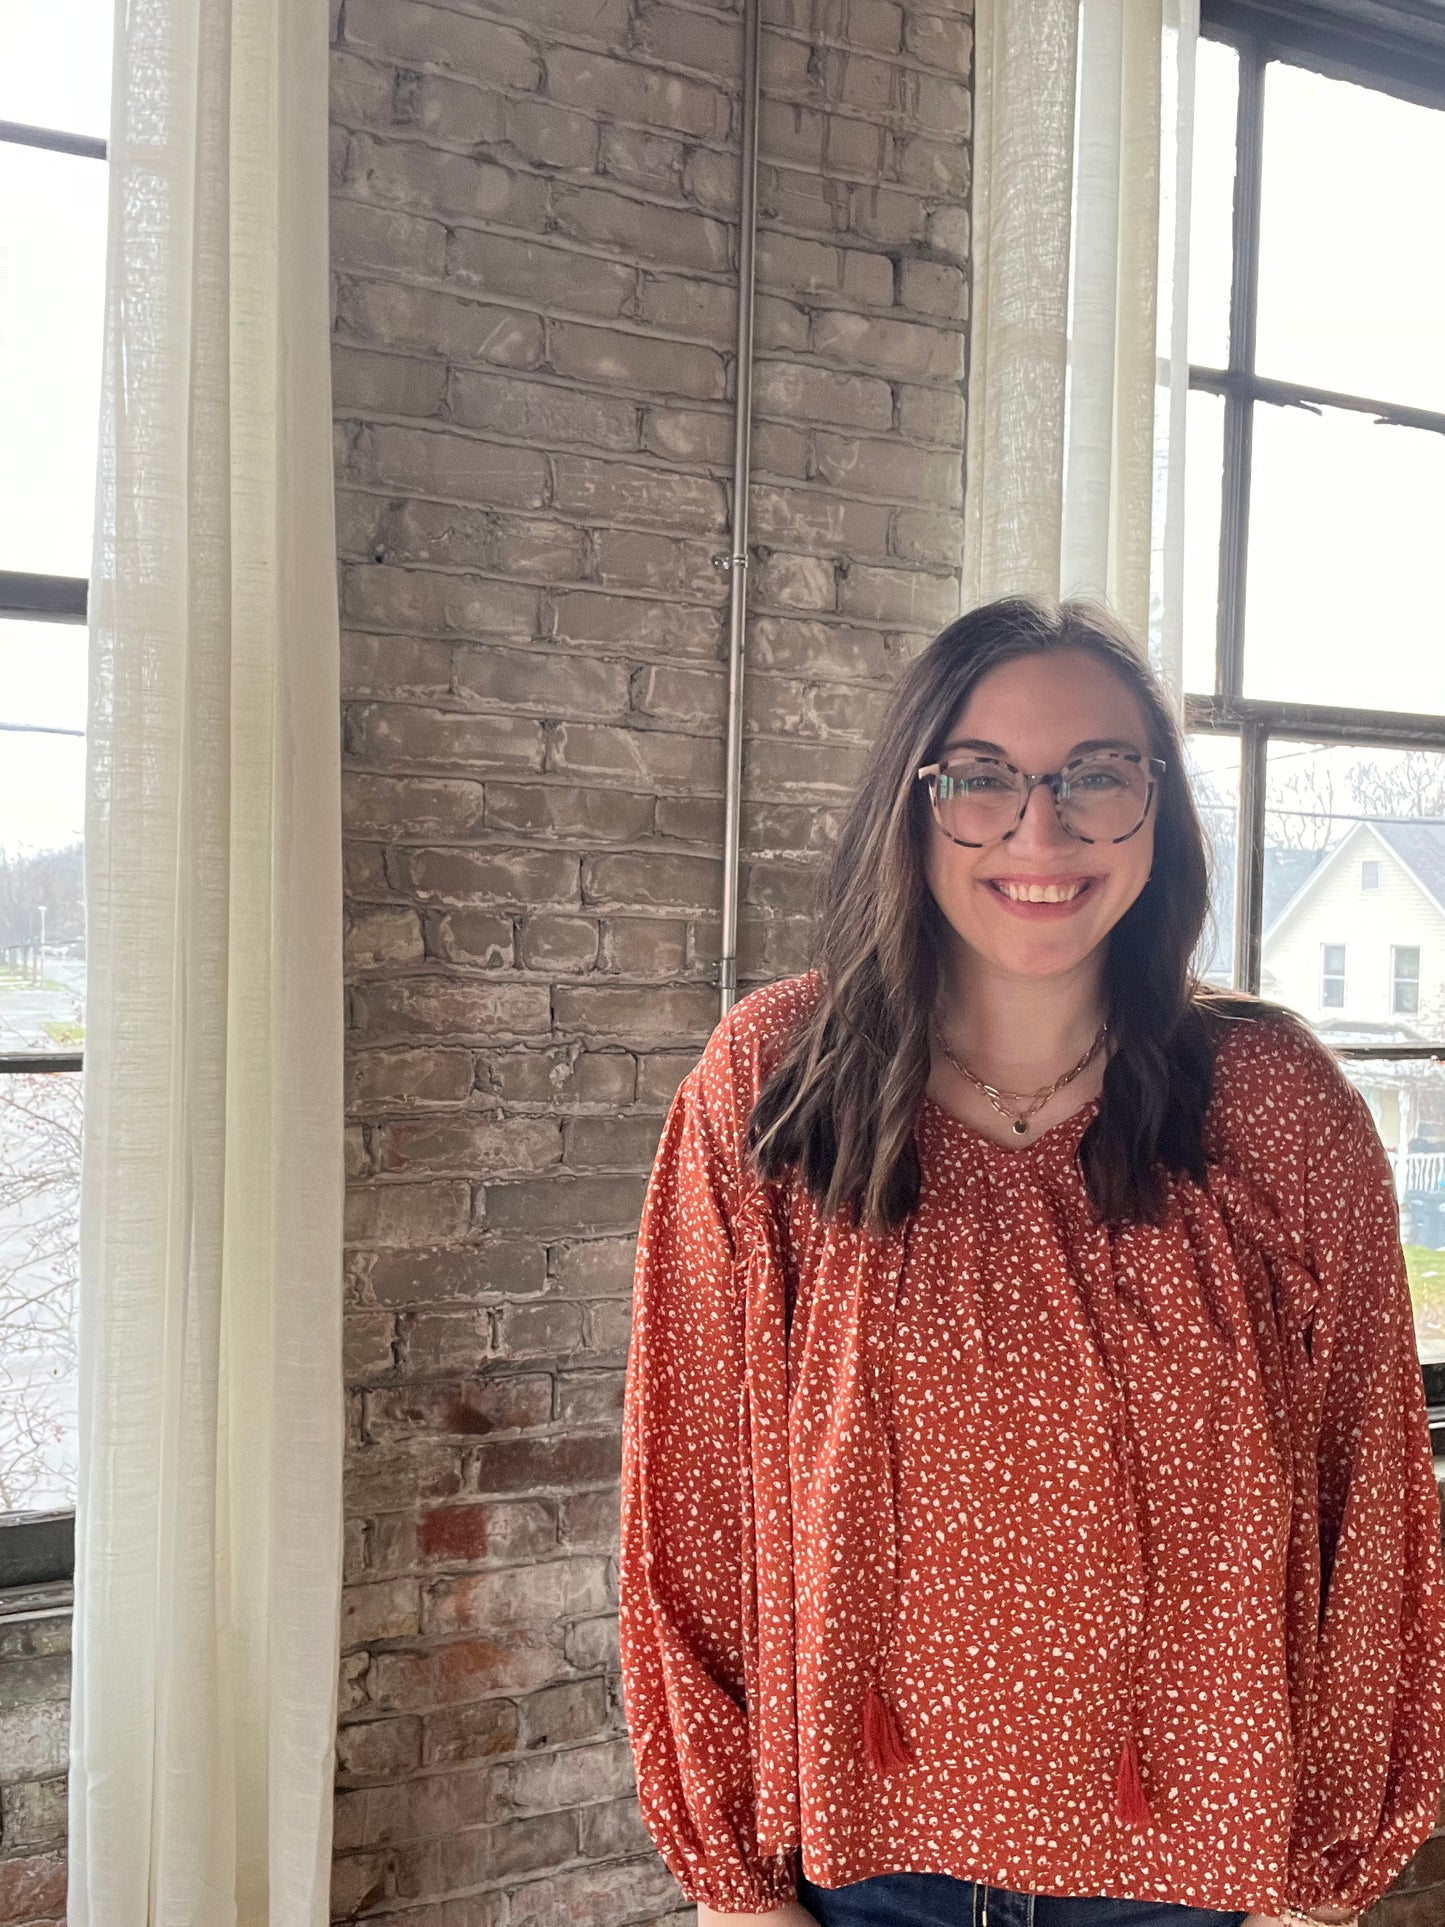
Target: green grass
pixel 1427 1284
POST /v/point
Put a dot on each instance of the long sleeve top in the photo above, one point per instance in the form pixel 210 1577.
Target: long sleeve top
pixel 1012 1548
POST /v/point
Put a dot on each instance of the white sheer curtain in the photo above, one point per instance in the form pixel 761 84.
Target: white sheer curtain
pixel 208 1524
pixel 1079 367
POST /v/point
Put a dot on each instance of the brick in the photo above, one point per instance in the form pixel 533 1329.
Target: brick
pixel 584 1269
pixel 516 679
pixel 558 943
pixel 389 315
pixel 935 167
pixel 609 1323
pixel 413 806
pixel 459 1274
pixel 811 393
pixel 663 881
pixel 662 1012
pixel 627 492
pixel 886 214
pixel 417 1007
pixel 686 305
pixel 786 581
pixel 878 467
pixel 458 112
pixel 479 1731
pixel 934 287
pixel 405 1214
pixel 622 1891
pixel 564 1204
pixel 32 1886
pixel 469 1534
pixel 902 597
pixel 483 937
pixel 396 734
pixel 418 599
pixel 422 179
pixel 478 1145
pixel 388 1609
pixel 475 1408
pixel 941 41
pixel 358 1880
pixel 605 21
pixel 542 412
pixel 519 877
pixel 437 461
pixel 457 1670
pixel 548 809
pixel 567 1075
pixel 407 1077
pixel 360 92
pixel 902 348
pixel 382 934
pixel 437 1345
pixel 611 1828
pixel 370 1749
pixel 370 1340
pixel 537 1594
pixel 793 643
pixel 931 415
pixel 459 1859
pixel 388 384
pixel 589 1398
pixel 505 1466
pixel 592 1643
pixel 371 237
pixel 407 31
pixel 637 625
pixel 406 666
pixel 644 231
pixel 643 158
pixel 539 1330
pixel 627 90
pixel 643 947
pixel 381 1477
pixel 555 278
pixel 642 361
pixel 809 520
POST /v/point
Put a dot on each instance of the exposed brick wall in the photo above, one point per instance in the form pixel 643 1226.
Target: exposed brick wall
pixel 535 242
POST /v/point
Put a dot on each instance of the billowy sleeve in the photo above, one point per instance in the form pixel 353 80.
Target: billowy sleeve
pixel 1369 1775
pixel 681 1562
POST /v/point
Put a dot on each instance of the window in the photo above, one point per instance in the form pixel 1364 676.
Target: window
pixel 1314 492
pixel 1405 978
pixel 54 118
pixel 1332 976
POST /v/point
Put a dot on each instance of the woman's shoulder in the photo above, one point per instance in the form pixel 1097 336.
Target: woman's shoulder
pixel 745 1046
pixel 1279 1093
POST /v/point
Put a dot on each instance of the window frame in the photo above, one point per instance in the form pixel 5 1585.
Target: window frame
pixel 1396 979
pixel 37 1549
pixel 1387 45
pixel 1328 976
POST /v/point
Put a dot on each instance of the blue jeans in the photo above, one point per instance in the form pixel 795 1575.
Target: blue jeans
pixel 939 1900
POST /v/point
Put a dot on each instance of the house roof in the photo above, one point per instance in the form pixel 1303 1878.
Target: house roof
pixel 1418 843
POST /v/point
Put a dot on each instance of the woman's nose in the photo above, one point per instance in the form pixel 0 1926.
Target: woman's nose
pixel 1040 823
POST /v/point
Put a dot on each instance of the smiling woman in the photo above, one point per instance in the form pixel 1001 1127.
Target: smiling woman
pixel 1017 1321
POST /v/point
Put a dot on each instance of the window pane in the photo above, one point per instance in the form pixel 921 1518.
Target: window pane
pixel 42 873
pixel 1351 272
pixel 42 677
pixel 1407 1101
pixel 40 1118
pixel 1203 508
pixel 1328 812
pixel 55 64
pixel 52 271
pixel 1342 599
pixel 1211 202
pixel 1213 768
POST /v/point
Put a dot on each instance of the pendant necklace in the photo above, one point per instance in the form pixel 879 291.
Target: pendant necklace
pixel 1035 1101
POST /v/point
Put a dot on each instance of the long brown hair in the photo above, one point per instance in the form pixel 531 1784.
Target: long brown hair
pixel 839 1108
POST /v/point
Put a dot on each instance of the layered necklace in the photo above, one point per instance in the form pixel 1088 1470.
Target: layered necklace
pixel 1004 1102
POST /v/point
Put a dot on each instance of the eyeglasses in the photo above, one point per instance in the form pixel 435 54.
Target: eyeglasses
pixel 1103 797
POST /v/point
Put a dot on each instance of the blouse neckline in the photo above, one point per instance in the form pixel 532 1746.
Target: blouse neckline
pixel 1062 1136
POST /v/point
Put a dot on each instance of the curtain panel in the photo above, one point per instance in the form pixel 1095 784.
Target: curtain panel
pixel 208 1520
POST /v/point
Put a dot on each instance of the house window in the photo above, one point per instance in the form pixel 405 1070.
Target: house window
pixel 1315 469
pixel 1405 979
pixel 54 121
pixel 1332 976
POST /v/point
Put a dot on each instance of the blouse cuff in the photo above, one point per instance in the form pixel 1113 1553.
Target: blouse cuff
pixel 761 1890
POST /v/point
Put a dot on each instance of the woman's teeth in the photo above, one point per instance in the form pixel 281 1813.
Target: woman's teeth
pixel 1041 892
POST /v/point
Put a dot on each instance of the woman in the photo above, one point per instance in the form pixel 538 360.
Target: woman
pixel 1027 1491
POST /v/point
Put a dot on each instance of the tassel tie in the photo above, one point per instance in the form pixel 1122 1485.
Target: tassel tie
pixel 767 1579
pixel 1111 1294
pixel 885 1746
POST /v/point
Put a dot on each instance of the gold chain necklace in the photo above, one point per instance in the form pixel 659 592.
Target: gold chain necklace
pixel 1019 1120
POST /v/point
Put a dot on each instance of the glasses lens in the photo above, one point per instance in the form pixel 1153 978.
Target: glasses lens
pixel 1105 796
pixel 978 798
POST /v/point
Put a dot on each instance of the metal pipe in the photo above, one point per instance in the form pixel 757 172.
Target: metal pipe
pixel 736 559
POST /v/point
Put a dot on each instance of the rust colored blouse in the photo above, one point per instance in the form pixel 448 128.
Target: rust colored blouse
pixel 1009 1549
